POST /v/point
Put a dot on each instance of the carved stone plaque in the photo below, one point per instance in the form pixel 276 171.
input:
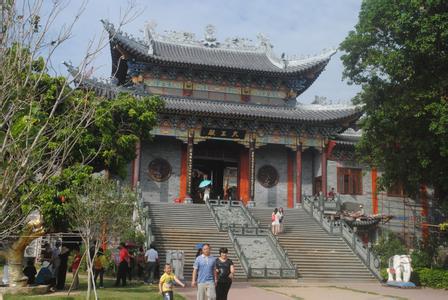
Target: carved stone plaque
pixel 267 176
pixel 159 169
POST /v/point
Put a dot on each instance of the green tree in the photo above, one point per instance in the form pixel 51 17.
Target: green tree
pixel 118 125
pixel 101 210
pixel 398 52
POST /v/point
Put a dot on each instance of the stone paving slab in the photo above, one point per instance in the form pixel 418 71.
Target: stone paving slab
pixel 333 291
pixel 361 291
pixel 238 291
pixel 259 252
pixel 231 215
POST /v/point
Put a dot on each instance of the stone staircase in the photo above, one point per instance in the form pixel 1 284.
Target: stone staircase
pixel 317 254
pixel 182 226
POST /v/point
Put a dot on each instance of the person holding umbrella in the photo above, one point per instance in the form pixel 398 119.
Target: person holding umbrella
pixel 205 184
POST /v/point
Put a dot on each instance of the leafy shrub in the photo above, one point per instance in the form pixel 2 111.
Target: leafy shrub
pixel 388 246
pixel 434 278
pixel 420 259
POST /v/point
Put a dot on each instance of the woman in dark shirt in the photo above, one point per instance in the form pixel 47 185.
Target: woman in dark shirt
pixel 224 271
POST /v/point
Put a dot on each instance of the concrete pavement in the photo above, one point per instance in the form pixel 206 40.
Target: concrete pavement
pixel 318 291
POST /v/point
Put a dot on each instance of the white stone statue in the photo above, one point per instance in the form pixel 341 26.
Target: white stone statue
pixel 400 265
pixel 176 259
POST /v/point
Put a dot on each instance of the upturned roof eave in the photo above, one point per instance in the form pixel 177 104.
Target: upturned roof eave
pixel 120 40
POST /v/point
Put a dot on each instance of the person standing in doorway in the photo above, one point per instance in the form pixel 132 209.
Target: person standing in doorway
pixel 204 275
pixel 123 265
pixel 152 258
pixel 224 272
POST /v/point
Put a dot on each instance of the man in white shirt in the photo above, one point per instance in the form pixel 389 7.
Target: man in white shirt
pixel 152 259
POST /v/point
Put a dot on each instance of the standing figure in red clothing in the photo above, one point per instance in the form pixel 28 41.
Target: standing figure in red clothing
pixel 123 265
pixel 75 266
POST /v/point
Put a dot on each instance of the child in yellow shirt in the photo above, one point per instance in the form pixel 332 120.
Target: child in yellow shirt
pixel 166 283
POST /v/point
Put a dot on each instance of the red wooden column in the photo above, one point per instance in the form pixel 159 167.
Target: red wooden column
pixel 374 174
pixel 243 184
pixel 183 173
pixel 324 172
pixel 299 174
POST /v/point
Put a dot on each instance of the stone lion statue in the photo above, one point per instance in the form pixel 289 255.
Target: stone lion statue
pixel 400 266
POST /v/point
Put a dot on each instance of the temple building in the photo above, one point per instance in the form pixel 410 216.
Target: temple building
pixel 231 116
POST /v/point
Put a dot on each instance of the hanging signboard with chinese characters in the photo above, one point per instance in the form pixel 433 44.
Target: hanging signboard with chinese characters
pixel 223 133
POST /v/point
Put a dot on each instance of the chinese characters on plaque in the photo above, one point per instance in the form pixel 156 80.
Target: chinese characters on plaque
pixel 223 133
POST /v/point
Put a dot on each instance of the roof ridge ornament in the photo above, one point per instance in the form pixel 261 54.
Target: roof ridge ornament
pixel 149 35
pixel 209 36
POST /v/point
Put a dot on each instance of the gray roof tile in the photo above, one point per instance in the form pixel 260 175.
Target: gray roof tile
pixel 254 60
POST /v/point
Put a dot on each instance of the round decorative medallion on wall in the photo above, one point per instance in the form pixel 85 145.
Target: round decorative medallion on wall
pixel 267 176
pixel 159 169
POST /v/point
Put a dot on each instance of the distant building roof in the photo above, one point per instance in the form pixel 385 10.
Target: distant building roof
pixel 233 54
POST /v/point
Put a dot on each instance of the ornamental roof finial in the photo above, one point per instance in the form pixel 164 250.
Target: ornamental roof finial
pixel 149 35
pixel 264 41
pixel 209 36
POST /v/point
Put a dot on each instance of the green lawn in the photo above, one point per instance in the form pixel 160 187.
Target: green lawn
pixel 133 291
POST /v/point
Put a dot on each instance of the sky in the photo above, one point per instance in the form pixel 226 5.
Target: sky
pixel 294 27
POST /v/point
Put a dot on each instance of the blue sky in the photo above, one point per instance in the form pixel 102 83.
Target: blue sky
pixel 302 27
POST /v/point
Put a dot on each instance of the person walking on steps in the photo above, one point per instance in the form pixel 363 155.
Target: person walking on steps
pixel 224 272
pixel 204 275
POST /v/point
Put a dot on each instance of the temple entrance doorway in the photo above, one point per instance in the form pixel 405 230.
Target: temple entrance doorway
pixel 216 161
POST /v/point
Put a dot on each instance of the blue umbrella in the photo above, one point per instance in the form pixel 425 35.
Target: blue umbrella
pixel 204 183
pixel 199 246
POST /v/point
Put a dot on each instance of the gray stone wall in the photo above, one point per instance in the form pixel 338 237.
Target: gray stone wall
pixel 406 211
pixel 169 149
pixel 307 172
pixel 276 156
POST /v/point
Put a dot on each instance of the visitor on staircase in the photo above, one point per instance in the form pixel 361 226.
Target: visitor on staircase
pixel 224 272
pixel 281 219
pixel 275 221
pixel 203 275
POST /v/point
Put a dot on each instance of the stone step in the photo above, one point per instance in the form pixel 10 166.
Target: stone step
pixel 181 227
pixel 316 253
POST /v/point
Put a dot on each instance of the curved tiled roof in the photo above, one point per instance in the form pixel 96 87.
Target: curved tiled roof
pixel 225 58
pixel 257 111
pixel 182 105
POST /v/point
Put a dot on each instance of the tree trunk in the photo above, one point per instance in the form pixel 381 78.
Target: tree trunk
pixel 89 280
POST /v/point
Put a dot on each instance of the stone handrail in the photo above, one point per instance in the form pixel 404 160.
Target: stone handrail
pixel 341 228
pixel 290 271
pixel 239 252
pixel 249 216
pixel 283 253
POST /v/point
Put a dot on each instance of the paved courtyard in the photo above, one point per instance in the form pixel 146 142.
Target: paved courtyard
pixel 333 291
